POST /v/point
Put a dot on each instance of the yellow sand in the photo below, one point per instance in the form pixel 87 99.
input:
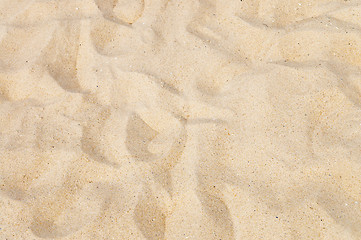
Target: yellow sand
pixel 180 119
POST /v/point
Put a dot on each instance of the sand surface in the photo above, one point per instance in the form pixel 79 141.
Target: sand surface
pixel 180 119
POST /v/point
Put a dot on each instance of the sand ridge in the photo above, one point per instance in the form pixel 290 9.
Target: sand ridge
pixel 187 119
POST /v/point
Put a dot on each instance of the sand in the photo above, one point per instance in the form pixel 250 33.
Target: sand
pixel 180 119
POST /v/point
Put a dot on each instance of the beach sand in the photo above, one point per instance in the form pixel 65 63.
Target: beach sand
pixel 180 119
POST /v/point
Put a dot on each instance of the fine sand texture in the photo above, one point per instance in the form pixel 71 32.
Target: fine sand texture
pixel 180 119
